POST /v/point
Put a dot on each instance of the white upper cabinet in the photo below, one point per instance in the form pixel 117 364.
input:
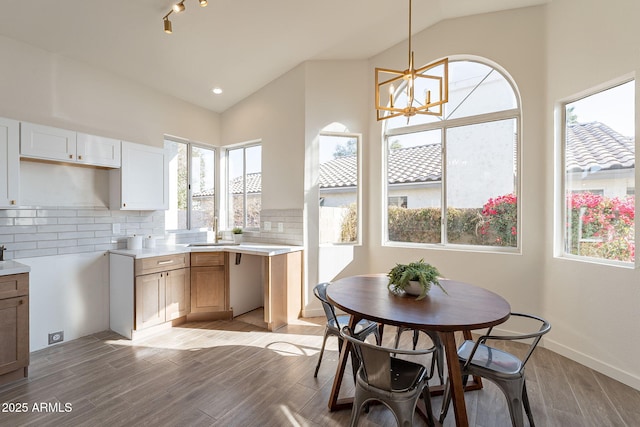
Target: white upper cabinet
pixel 49 143
pixel 97 150
pixel 46 142
pixel 9 163
pixel 142 181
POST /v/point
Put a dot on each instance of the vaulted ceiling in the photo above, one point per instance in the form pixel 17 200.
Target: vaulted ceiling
pixel 238 45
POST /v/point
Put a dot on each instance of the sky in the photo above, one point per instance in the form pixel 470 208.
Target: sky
pixel 613 107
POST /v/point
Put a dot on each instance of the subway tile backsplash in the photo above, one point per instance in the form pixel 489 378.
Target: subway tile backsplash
pixel 44 231
pixel 35 231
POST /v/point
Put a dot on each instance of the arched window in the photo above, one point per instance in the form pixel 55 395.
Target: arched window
pixel 463 164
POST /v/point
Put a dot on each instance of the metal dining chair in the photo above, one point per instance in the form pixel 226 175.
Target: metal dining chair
pixel 502 368
pixel 334 322
pixel 396 383
pixel 437 359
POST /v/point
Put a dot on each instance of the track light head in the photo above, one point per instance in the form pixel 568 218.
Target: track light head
pixel 178 7
pixel 167 26
pixel 203 3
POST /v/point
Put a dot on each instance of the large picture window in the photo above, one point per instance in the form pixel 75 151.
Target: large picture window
pixel 463 164
pixel 191 186
pixel 339 193
pixel 599 175
pixel 244 184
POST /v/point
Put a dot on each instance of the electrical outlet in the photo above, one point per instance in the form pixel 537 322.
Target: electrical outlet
pixel 267 226
pixel 56 337
pixel 115 229
pixel 280 227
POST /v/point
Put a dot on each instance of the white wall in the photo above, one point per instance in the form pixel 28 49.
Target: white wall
pixel 45 88
pixel 593 308
pixel 68 293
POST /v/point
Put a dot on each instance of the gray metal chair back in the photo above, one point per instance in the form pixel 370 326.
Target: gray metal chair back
pixel 437 361
pixel 397 383
pixel 501 367
pixel 335 322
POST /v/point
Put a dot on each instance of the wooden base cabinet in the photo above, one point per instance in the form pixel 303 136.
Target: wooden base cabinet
pixel 148 292
pixel 209 286
pixel 14 327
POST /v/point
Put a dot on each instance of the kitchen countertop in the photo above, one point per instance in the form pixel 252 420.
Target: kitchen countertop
pixel 13 267
pixel 262 249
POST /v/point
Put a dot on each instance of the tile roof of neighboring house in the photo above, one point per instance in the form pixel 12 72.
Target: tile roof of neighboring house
pixel 591 146
pixel 595 146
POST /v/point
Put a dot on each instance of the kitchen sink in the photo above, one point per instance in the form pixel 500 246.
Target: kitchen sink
pixel 214 244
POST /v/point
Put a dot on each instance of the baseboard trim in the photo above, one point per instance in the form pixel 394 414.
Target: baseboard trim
pixel 595 364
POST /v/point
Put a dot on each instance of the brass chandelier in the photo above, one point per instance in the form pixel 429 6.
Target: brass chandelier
pixel 434 96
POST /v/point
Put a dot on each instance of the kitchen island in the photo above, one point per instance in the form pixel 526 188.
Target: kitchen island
pixel 155 288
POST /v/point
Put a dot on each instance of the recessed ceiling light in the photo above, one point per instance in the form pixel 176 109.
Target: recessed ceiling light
pixel 216 90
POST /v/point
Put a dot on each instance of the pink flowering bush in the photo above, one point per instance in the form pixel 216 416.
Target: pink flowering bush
pixel 601 227
pixel 500 221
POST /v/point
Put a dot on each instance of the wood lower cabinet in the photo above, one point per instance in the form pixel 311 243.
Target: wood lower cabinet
pixel 150 300
pixel 14 327
pixel 177 293
pixel 148 292
pixel 209 286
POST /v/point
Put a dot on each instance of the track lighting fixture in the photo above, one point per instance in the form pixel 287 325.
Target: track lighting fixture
pixel 167 25
pixel 177 8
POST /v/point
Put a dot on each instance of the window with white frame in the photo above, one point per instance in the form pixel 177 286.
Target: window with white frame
pixel 459 170
pixel 599 175
pixel 339 180
pixel 244 186
pixel 191 186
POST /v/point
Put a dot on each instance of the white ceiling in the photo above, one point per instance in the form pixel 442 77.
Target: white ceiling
pixel 239 45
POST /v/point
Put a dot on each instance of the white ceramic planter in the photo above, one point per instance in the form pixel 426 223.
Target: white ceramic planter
pixel 414 288
pixel 237 238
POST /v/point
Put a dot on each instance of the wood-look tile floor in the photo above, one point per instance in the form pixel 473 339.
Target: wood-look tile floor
pixel 234 373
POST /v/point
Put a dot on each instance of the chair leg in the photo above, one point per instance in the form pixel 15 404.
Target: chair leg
pixel 426 396
pixel 324 341
pixel 527 406
pixel 513 392
pixel 446 401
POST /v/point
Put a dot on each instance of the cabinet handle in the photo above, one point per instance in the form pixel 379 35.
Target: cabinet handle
pixel 21 302
pixel 165 262
pixel 124 205
pixel 13 202
pixel 79 157
pixel 71 156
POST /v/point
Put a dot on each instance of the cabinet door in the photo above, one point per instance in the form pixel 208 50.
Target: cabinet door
pixel 178 293
pixel 150 300
pixel 9 163
pixel 14 334
pixel 98 150
pixel 208 289
pixel 143 179
pixel 49 143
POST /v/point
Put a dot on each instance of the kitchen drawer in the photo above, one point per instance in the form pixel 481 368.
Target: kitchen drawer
pixel 161 263
pixel 207 259
pixel 14 285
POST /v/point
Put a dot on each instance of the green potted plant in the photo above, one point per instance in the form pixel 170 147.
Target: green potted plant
pixel 414 278
pixel 237 234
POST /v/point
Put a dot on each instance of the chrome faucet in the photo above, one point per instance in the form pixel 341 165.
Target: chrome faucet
pixel 215 229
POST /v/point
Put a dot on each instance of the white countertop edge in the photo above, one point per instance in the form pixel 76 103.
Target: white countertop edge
pixel 261 249
pixel 13 267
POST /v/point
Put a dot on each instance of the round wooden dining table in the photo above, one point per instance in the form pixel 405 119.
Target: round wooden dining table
pixel 464 307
